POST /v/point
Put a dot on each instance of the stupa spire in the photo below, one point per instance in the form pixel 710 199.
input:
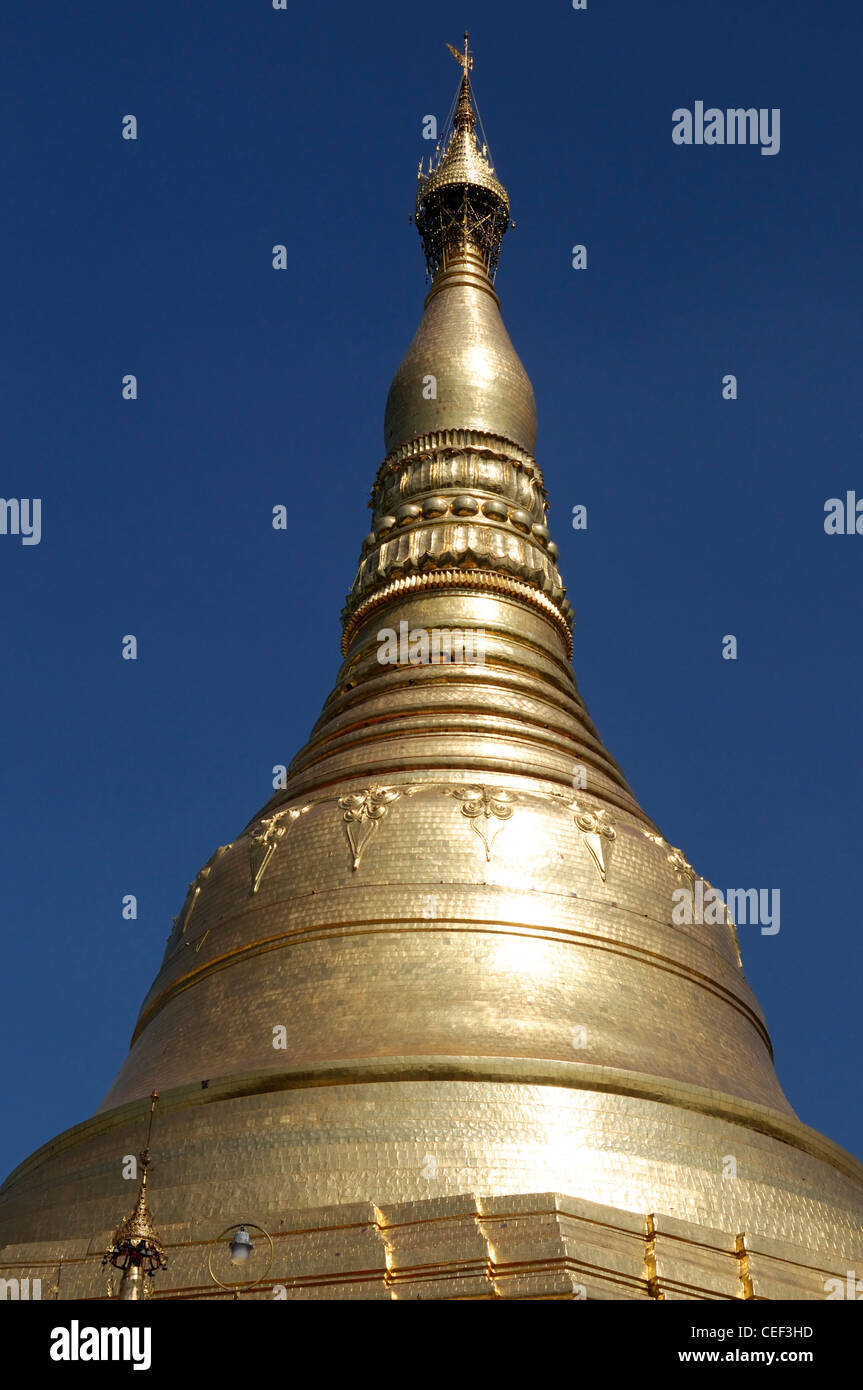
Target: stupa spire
pixel 460 204
pixel 465 117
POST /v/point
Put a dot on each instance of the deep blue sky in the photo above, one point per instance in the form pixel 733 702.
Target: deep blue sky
pixel 258 388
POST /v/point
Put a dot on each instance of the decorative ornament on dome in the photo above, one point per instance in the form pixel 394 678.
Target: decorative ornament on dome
pixel 479 804
pixel 135 1248
pixel 460 203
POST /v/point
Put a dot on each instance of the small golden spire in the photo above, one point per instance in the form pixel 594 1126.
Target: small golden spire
pixel 460 202
pixel 136 1248
pixel 465 117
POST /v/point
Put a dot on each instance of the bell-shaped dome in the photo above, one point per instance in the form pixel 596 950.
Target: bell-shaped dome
pixel 461 371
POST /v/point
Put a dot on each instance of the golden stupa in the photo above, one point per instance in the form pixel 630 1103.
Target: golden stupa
pixel 427 1020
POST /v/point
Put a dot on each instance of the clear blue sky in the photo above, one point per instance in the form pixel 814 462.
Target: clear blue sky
pixel 257 388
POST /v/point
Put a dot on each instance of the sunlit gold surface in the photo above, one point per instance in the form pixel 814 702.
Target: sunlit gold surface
pixel 465 952
pixel 463 346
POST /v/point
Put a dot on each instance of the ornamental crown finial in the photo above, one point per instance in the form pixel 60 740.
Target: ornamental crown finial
pixel 460 203
pixel 135 1248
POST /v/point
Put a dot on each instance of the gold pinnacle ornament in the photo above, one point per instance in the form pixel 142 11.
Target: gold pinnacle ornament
pixel 440 1032
pixel 136 1248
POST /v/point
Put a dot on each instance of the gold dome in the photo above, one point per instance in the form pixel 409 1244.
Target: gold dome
pixel 441 961
pixel 461 371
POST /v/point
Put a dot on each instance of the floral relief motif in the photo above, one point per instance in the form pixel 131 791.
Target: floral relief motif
pixel 362 813
pixel 181 921
pixel 597 832
pixel 681 865
pixel 675 857
pixel 480 805
pixel 686 874
pixel 266 840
